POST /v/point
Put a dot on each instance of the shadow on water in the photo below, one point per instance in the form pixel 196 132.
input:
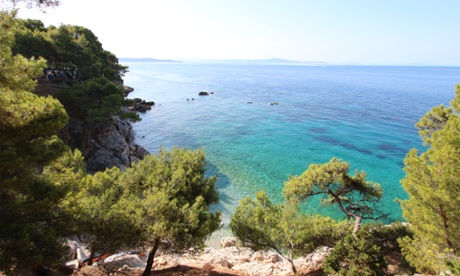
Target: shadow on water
pixel 387 147
pixel 340 143
pixel 222 182
pixel 225 201
pixel 318 130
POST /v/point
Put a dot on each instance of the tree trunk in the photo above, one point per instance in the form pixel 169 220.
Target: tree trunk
pixel 446 228
pixel 291 261
pixel 290 258
pixel 148 268
pixel 357 226
pixel 91 256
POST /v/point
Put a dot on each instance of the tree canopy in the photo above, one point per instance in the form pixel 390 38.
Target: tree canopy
pixel 432 181
pixel 95 101
pixel 260 224
pixel 172 196
pixel 104 217
pixel 284 228
pixel 161 202
pixel 358 254
pixel 39 175
pixel 77 56
pixel 31 214
pixel 355 196
pixel 67 46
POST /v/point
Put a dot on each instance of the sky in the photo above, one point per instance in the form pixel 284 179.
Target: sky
pixel 373 32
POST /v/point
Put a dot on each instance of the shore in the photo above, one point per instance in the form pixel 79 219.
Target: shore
pixel 228 260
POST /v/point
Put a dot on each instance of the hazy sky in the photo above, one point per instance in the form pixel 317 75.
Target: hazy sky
pixel 336 31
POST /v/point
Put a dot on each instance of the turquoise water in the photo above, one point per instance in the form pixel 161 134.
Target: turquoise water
pixel 364 115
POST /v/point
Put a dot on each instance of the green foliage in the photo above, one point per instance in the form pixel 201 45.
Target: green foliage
pixel 432 122
pixel 174 195
pixel 103 218
pixel 31 40
pixel 32 216
pixel 259 224
pixel 162 201
pixel 433 183
pixel 354 195
pixel 28 123
pixel 356 256
pixel 454 266
pixel 95 101
pixel 256 223
pixel 33 223
pixel 67 46
pixel 18 73
pixel 28 128
pixel 79 50
pixel 263 225
pixel 386 236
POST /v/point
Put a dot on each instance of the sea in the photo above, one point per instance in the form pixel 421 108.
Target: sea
pixel 263 123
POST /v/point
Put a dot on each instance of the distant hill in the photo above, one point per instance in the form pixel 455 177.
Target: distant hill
pixel 286 61
pixel 273 61
pixel 127 59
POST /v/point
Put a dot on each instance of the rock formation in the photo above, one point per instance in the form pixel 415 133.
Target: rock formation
pixel 128 89
pixel 104 145
pixel 141 105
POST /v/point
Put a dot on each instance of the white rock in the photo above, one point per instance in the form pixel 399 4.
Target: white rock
pixel 227 242
pixel 266 256
pixel 73 264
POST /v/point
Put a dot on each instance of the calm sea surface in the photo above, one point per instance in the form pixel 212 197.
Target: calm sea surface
pixel 364 115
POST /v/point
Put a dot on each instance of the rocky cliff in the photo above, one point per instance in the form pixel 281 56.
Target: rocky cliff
pixel 104 145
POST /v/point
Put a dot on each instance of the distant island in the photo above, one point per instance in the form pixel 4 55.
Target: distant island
pixel 281 61
pixel 127 59
pixel 271 61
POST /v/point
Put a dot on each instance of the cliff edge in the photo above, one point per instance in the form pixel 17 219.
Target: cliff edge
pixel 104 145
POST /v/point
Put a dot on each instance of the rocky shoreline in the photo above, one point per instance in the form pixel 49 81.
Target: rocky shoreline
pixel 228 260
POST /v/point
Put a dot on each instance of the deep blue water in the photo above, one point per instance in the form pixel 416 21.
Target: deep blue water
pixel 364 115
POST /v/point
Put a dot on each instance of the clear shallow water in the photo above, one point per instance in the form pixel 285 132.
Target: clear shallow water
pixel 364 115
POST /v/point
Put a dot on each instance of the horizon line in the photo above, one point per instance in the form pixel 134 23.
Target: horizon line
pixel 280 61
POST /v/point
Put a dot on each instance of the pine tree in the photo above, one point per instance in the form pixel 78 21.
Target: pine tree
pixel 31 216
pixel 356 197
pixel 67 46
pixel 170 196
pixel 96 100
pixel 433 183
pixel 261 225
pixel 103 214
pixel 357 254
